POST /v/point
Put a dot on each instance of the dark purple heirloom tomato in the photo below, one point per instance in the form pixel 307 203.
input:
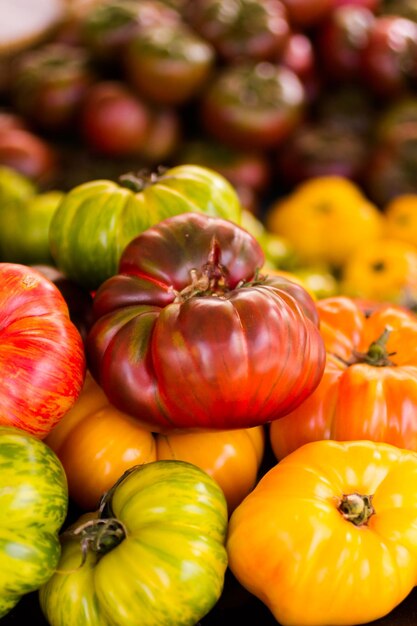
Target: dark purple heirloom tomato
pixel 190 334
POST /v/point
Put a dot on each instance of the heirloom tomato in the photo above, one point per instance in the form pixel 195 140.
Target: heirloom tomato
pixel 42 360
pixel 322 205
pixel 33 507
pixel 190 335
pixel 24 228
pixel 154 553
pixel 97 219
pixel 384 270
pixel 328 536
pixel 369 386
pixel 96 443
pixel 401 218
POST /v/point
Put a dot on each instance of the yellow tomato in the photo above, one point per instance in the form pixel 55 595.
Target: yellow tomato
pixel 328 537
pixel 325 219
pixel 384 270
pixel 96 444
pixel 401 218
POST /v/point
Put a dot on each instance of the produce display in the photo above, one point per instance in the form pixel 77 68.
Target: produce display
pixel 208 279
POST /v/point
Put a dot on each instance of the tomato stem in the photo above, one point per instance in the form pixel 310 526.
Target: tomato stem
pixel 210 281
pixel 356 508
pixel 377 354
pixel 137 182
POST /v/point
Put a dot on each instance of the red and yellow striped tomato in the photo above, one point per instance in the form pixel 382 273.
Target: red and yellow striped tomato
pixel 42 360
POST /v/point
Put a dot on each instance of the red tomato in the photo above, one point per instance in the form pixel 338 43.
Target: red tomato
pixel 42 361
pixel 189 335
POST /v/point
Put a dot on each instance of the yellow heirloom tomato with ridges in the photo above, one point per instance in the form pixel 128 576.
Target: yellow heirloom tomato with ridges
pixel 325 219
pixel 401 218
pixel 384 270
pixel 328 537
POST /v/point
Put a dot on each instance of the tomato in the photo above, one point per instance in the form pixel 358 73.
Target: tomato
pixel 97 219
pixel 189 335
pixel 401 214
pixel 323 205
pixel 369 386
pixel 327 537
pixel 253 29
pixel 49 83
pixel 96 443
pixel 28 154
pixel 253 105
pixel 108 27
pixel 42 360
pixel 155 549
pixel 113 120
pixel 384 270
pixel 33 507
pixel 168 64
pixel 24 229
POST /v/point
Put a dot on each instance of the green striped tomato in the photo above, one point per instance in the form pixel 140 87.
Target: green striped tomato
pixel 96 220
pixel 154 553
pixel 33 506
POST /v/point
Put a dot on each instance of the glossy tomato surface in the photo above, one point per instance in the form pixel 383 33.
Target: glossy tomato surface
pixel 33 506
pixel 190 335
pixel 326 530
pixel 369 385
pixel 42 357
pixel 156 549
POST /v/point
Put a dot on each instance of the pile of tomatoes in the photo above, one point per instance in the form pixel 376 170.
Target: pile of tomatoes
pixel 208 296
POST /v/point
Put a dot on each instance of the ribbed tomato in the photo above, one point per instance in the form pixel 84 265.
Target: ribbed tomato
pixel 154 553
pixel 369 385
pixel 190 335
pixel 42 359
pixel 96 443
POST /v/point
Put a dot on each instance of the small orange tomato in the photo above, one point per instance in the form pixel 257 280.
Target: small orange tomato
pixel 96 443
pixel 231 457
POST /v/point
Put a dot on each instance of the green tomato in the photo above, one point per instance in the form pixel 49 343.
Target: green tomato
pixel 154 554
pixel 96 220
pixel 14 187
pixel 33 507
pixel 24 229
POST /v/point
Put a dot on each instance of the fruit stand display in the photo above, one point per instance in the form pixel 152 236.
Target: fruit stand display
pixel 208 277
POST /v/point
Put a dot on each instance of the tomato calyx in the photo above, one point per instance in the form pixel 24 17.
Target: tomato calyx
pixel 356 508
pixel 99 536
pixel 210 281
pixel 377 354
pixel 137 182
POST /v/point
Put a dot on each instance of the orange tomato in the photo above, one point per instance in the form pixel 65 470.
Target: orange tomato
pixel 96 444
pixel 369 386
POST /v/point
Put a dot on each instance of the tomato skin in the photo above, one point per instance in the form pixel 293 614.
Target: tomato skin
pixel 33 506
pixel 96 220
pixel 169 568
pixel 96 443
pixel 289 544
pixel 358 401
pixel 151 343
pixel 42 357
